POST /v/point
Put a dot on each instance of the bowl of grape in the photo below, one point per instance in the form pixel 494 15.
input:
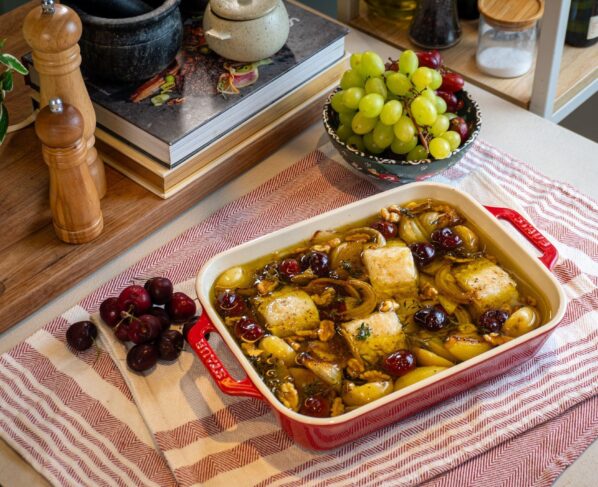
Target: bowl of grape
pixel 401 121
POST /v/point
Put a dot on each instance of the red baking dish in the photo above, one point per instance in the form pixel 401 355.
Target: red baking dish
pixel 327 433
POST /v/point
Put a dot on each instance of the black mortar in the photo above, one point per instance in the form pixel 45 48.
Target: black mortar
pixel 129 49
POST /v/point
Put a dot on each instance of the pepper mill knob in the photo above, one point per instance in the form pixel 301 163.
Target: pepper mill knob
pixel 52 28
pixel 60 125
pixel 74 200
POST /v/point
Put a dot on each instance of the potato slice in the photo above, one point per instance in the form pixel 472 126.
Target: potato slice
pixel 417 374
pixel 391 270
pixel 354 395
pixel 490 286
pixel 278 348
pixel 521 321
pixel 287 311
pixel 375 335
pixel 426 357
pixel 466 346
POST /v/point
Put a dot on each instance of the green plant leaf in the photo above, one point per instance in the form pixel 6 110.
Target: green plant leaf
pixel 3 122
pixel 6 81
pixel 13 63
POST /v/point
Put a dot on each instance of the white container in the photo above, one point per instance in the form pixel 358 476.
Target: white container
pixel 246 30
pixel 507 36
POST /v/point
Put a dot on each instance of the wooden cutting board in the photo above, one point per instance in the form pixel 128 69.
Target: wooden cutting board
pixel 35 266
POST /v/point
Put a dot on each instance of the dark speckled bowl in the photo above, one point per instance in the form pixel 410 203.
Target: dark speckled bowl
pixel 387 166
pixel 130 49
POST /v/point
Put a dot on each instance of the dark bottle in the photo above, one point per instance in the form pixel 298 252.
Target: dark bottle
pixel 468 9
pixel 582 27
pixel 435 24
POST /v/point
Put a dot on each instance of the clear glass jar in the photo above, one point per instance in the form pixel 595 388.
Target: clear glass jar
pixel 401 10
pixel 506 51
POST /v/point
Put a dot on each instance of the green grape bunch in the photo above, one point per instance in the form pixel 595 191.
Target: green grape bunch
pixel 407 106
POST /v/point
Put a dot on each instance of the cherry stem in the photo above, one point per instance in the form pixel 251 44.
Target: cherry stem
pixel 127 314
pixel 422 138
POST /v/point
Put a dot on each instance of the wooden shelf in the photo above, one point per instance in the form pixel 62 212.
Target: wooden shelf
pixel 579 66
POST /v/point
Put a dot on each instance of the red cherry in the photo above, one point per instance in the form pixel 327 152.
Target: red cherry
pixel 460 126
pixel 316 406
pixel 429 59
pixel 144 329
pixel 142 357
pixel 387 229
pixel 134 299
pixel 121 332
pixel 170 344
pixel 289 268
pixel 160 289
pixel 181 307
pixel 492 320
pixel 450 99
pixel 399 363
pixel 452 82
pixel 81 335
pixel 162 315
pixel 446 239
pixel 423 253
pixel 110 311
pixel 248 330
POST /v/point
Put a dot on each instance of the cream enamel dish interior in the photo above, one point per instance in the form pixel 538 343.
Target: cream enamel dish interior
pixel 536 274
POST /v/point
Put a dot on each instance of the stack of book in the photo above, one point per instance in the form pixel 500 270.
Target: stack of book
pixel 203 110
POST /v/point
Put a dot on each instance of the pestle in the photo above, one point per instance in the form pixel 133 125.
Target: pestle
pixel 111 9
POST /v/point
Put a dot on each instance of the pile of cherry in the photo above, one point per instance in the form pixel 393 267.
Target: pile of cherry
pixel 142 315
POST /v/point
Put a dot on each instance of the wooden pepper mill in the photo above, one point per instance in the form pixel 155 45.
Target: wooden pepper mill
pixel 53 31
pixel 74 200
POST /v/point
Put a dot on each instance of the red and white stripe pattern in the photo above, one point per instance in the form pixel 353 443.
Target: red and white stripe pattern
pixel 82 421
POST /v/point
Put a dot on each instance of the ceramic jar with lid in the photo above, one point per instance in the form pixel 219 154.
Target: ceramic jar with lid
pixel 508 33
pixel 246 30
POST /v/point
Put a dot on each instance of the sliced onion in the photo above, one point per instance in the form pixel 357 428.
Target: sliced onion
pixel 368 300
pixel 446 283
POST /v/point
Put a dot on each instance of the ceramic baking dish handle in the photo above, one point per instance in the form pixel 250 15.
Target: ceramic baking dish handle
pixel 228 385
pixel 533 235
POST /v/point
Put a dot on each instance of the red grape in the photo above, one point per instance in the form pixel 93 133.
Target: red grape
pixel 429 59
pixel 460 126
pixel 452 82
pixel 181 307
pixel 248 330
pixel 386 228
pixel 316 406
pixel 399 363
pixel 81 335
pixel 289 268
pixel 160 289
pixel 110 312
pixel 230 303
pixel 134 299
pixel 431 318
pixel 423 253
pixel 450 99
pixel 492 320
pixel 446 239
pixel 317 261
pixel 144 329
pixel 142 357
pixel 170 345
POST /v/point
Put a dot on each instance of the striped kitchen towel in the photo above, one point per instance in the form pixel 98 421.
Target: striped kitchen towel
pixel 86 420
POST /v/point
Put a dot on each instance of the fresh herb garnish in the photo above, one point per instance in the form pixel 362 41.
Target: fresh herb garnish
pixel 363 332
